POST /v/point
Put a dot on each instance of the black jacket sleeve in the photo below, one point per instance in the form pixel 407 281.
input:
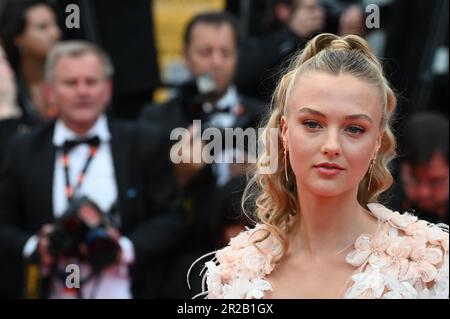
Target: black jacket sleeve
pixel 161 224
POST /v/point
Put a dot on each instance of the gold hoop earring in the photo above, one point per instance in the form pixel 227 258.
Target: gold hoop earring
pixel 285 163
pixel 371 169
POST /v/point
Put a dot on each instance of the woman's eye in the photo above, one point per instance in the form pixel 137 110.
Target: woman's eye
pixel 355 130
pixel 311 125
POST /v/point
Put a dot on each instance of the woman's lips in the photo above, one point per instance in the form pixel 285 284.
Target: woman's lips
pixel 328 170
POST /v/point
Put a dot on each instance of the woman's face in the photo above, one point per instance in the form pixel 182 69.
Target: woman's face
pixel 41 32
pixel 332 131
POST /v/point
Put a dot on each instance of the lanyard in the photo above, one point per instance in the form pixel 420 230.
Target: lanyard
pixel 69 190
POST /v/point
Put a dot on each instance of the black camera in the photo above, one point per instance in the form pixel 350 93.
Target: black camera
pixel 197 97
pixel 82 232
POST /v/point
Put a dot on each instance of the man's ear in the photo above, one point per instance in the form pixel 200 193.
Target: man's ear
pixel 50 99
pixel 185 57
pixel 109 90
pixel 49 93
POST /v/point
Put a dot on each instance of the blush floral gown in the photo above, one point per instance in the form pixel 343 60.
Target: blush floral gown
pixel 405 258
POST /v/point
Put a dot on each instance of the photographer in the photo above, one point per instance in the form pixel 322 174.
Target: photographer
pixel 87 190
pixel 422 184
pixel 210 54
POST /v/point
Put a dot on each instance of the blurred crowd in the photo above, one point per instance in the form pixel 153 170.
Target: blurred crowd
pixel 85 170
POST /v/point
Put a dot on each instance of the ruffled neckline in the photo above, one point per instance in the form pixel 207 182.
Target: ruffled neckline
pixel 386 263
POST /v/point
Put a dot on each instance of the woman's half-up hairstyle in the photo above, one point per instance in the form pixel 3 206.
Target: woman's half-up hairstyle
pixel 272 200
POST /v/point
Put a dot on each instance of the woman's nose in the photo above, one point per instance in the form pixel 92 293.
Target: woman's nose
pixel 331 147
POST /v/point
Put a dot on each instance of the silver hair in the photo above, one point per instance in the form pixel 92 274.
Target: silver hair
pixel 76 48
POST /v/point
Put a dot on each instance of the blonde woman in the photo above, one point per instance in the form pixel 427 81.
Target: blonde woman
pixel 320 232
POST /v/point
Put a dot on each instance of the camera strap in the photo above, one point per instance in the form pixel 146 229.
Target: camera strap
pixel 93 142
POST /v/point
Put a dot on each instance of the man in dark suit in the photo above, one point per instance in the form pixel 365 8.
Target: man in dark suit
pixel 210 55
pixel 124 170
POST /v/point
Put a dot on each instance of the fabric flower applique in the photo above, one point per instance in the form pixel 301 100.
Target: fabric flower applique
pixel 405 258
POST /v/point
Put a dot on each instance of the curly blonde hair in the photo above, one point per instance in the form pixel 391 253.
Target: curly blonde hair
pixel 270 197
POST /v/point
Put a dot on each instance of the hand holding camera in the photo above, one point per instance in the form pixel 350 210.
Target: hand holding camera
pixel 84 232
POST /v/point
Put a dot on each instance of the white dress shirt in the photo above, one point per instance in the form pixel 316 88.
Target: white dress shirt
pixel 100 186
pixel 229 100
pixel 221 165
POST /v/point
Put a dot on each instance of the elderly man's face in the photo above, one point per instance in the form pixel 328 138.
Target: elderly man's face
pixel 80 90
pixel 212 50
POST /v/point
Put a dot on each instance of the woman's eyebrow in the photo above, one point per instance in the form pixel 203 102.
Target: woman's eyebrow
pixel 359 117
pixel 350 117
pixel 311 111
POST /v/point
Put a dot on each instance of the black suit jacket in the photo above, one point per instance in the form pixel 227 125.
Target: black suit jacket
pixel 172 114
pixel 148 200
